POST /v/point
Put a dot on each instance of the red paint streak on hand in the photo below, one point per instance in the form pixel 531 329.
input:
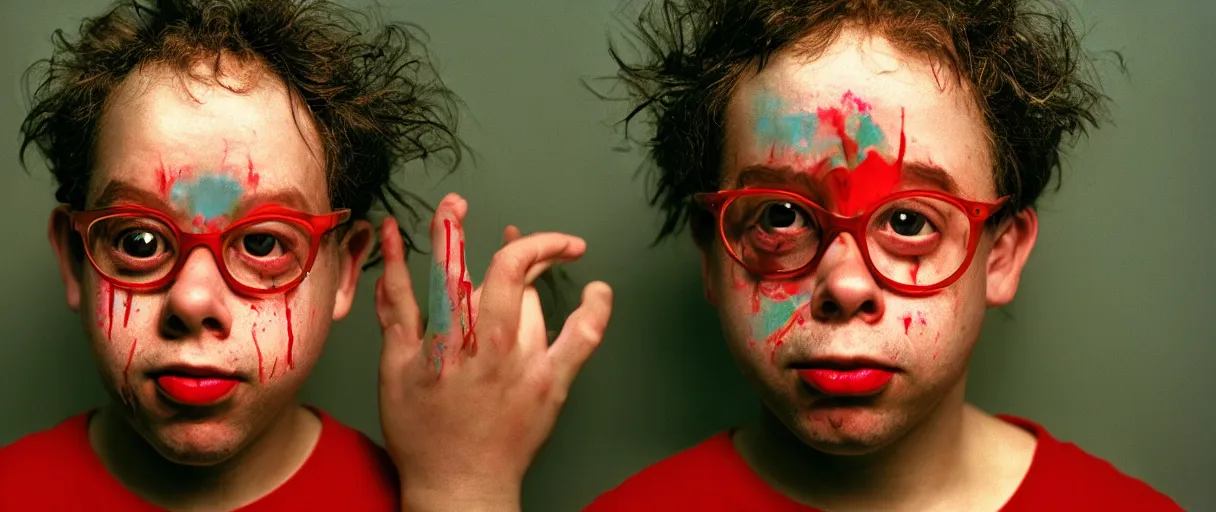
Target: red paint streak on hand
pixel 466 294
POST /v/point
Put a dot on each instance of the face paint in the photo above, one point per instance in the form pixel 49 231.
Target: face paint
pixel 841 147
pixel 291 337
pixel 210 199
pixel 254 334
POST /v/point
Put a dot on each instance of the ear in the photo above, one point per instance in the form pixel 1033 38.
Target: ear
pixel 1014 240
pixel 351 255
pixel 707 273
pixel 65 241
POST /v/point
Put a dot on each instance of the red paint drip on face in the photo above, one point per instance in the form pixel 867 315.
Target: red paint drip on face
pixel 252 178
pixel 915 269
pixel 777 339
pixel 291 337
pixel 907 323
pixel 127 369
pixel 126 315
pixel 110 315
pixel 257 347
pixel 856 188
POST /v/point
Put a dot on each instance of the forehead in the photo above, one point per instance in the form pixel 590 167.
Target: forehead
pixel 161 127
pixel 942 125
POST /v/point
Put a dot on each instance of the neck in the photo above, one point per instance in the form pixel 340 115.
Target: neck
pixel 269 459
pixel 929 460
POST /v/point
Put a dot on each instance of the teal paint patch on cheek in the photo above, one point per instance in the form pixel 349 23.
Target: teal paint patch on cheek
pixel 209 196
pixel 775 315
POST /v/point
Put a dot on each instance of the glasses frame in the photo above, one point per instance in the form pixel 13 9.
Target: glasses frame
pixel 316 225
pixel 833 225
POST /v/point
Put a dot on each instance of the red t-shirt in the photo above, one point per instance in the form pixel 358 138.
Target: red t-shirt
pixel 57 469
pixel 712 476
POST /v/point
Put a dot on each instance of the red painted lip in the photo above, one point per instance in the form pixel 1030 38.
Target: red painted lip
pixel 197 386
pixel 846 377
pixel 858 382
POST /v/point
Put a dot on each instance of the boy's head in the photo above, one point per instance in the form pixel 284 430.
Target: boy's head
pixel 217 161
pixel 860 178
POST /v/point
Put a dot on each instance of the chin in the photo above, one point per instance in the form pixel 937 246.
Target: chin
pixel 844 429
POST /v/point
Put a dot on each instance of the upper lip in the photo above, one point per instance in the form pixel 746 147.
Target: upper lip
pixel 844 363
pixel 196 371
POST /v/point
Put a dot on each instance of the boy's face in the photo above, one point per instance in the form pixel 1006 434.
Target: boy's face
pixel 199 369
pixel 847 363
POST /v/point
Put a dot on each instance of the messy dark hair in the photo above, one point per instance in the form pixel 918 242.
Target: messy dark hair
pixel 373 96
pixel 1022 61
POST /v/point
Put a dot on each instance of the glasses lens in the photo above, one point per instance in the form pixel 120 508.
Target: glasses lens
pixel 132 249
pixel 918 240
pixel 266 255
pixel 771 232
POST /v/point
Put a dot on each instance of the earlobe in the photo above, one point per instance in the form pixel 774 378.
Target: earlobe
pixel 352 252
pixel 61 235
pixel 1011 249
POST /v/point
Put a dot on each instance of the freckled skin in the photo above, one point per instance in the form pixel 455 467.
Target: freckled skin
pixel 766 125
pixel 204 153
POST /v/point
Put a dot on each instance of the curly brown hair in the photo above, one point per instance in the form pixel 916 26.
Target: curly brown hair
pixel 373 96
pixel 1022 60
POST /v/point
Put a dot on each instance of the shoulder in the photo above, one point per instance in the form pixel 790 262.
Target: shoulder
pixel 674 482
pixel 37 465
pixel 1064 475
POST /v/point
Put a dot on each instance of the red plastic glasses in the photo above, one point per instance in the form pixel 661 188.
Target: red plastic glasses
pixel 913 242
pixel 269 251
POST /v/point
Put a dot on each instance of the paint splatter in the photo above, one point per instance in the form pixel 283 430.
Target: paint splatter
pixel 776 309
pixel 126 314
pixel 252 177
pixel 110 315
pixel 845 143
pixel 915 269
pixel 907 323
pixel 291 337
pixel 210 199
pixel 257 347
pixel 466 295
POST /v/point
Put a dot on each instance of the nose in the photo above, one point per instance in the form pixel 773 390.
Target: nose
pixel 196 302
pixel 845 288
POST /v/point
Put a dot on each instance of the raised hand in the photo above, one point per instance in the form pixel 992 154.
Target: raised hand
pixel 467 400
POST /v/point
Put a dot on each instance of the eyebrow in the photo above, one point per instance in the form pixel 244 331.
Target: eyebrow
pixel 917 171
pixel 119 191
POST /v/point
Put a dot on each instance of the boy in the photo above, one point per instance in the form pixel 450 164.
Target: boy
pixel 216 161
pixel 860 178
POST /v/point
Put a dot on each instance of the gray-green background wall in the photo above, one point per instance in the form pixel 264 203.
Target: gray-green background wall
pixel 1110 343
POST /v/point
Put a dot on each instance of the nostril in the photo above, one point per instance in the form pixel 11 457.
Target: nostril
pixel 869 307
pixel 829 308
pixel 212 324
pixel 176 325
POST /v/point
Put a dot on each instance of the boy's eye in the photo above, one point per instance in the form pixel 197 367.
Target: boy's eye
pixel 139 243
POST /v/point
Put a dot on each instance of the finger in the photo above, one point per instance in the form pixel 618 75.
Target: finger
pixel 506 279
pixel 395 302
pixel 509 235
pixel 581 334
pixel 396 358
pixel 532 337
pixel 450 324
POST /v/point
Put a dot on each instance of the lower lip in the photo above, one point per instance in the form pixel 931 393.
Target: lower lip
pixel 195 390
pixel 859 382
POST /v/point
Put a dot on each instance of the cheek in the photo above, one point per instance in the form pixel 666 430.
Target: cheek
pixel 759 315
